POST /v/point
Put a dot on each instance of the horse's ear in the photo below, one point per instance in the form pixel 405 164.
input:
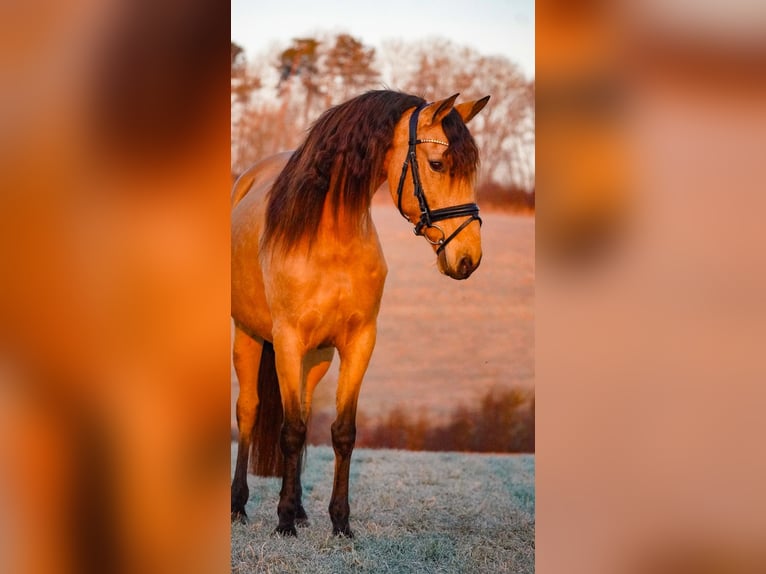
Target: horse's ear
pixel 468 110
pixel 442 108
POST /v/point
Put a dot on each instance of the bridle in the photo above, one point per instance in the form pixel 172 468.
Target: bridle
pixel 427 216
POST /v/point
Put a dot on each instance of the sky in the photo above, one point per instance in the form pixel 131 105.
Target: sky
pixel 505 27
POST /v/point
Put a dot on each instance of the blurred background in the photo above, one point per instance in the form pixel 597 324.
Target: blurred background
pixel 649 306
pixel 114 329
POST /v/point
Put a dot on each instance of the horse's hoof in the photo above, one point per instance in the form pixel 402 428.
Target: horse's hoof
pixel 286 531
pixel 344 532
pixel 301 518
pixel 302 522
pixel 238 517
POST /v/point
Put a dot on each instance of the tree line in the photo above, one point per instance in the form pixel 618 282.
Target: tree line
pixel 502 421
pixel 276 95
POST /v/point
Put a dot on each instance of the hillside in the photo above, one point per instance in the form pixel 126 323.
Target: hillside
pixel 411 512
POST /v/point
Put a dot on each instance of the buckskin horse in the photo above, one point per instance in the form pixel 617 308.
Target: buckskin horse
pixel 307 271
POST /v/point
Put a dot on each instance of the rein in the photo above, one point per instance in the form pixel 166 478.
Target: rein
pixel 428 216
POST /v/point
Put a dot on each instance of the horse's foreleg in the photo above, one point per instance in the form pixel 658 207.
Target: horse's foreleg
pixel 289 362
pixel 354 358
pixel 315 364
pixel 247 357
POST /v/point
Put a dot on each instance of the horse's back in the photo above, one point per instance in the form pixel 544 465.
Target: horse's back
pixel 264 171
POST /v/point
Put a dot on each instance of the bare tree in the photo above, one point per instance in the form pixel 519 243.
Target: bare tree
pixel 348 69
pixel 243 84
pixel 314 73
pixel 505 130
pixel 299 61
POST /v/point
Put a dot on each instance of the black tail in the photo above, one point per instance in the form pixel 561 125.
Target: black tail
pixel 265 453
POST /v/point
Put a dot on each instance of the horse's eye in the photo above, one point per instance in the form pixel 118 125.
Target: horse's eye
pixel 436 165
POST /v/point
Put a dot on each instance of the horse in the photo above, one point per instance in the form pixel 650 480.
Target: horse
pixel 307 271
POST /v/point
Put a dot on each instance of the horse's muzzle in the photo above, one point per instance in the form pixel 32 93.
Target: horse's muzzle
pixel 464 268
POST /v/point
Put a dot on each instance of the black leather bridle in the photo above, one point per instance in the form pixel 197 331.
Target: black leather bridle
pixel 427 216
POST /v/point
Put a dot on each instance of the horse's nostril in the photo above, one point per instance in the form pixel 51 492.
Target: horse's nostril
pixel 465 266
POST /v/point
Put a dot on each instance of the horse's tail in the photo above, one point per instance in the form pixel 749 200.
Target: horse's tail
pixel 265 453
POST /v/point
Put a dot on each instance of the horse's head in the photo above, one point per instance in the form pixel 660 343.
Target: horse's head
pixel 431 172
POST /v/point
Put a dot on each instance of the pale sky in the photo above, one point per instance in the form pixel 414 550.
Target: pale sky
pixel 505 27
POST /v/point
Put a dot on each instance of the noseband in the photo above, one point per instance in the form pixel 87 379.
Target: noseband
pixel 427 216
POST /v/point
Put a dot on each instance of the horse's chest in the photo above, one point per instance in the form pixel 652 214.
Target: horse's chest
pixel 345 293
pixel 339 303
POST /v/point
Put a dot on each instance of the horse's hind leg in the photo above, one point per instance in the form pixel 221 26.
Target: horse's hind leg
pixel 247 357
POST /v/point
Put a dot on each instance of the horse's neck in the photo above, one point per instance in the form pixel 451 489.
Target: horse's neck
pixel 340 225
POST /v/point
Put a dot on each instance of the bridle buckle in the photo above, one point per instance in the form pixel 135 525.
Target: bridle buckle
pixel 421 230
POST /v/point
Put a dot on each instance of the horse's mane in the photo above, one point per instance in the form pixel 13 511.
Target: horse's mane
pixel 343 156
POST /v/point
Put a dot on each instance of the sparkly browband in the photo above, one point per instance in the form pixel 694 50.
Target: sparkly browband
pixel 428 140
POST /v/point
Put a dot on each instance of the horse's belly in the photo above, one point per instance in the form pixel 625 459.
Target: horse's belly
pixel 251 313
pixel 249 307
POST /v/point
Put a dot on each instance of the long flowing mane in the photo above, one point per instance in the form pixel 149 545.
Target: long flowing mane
pixel 342 156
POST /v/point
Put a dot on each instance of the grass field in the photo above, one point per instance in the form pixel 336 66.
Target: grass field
pixel 411 513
